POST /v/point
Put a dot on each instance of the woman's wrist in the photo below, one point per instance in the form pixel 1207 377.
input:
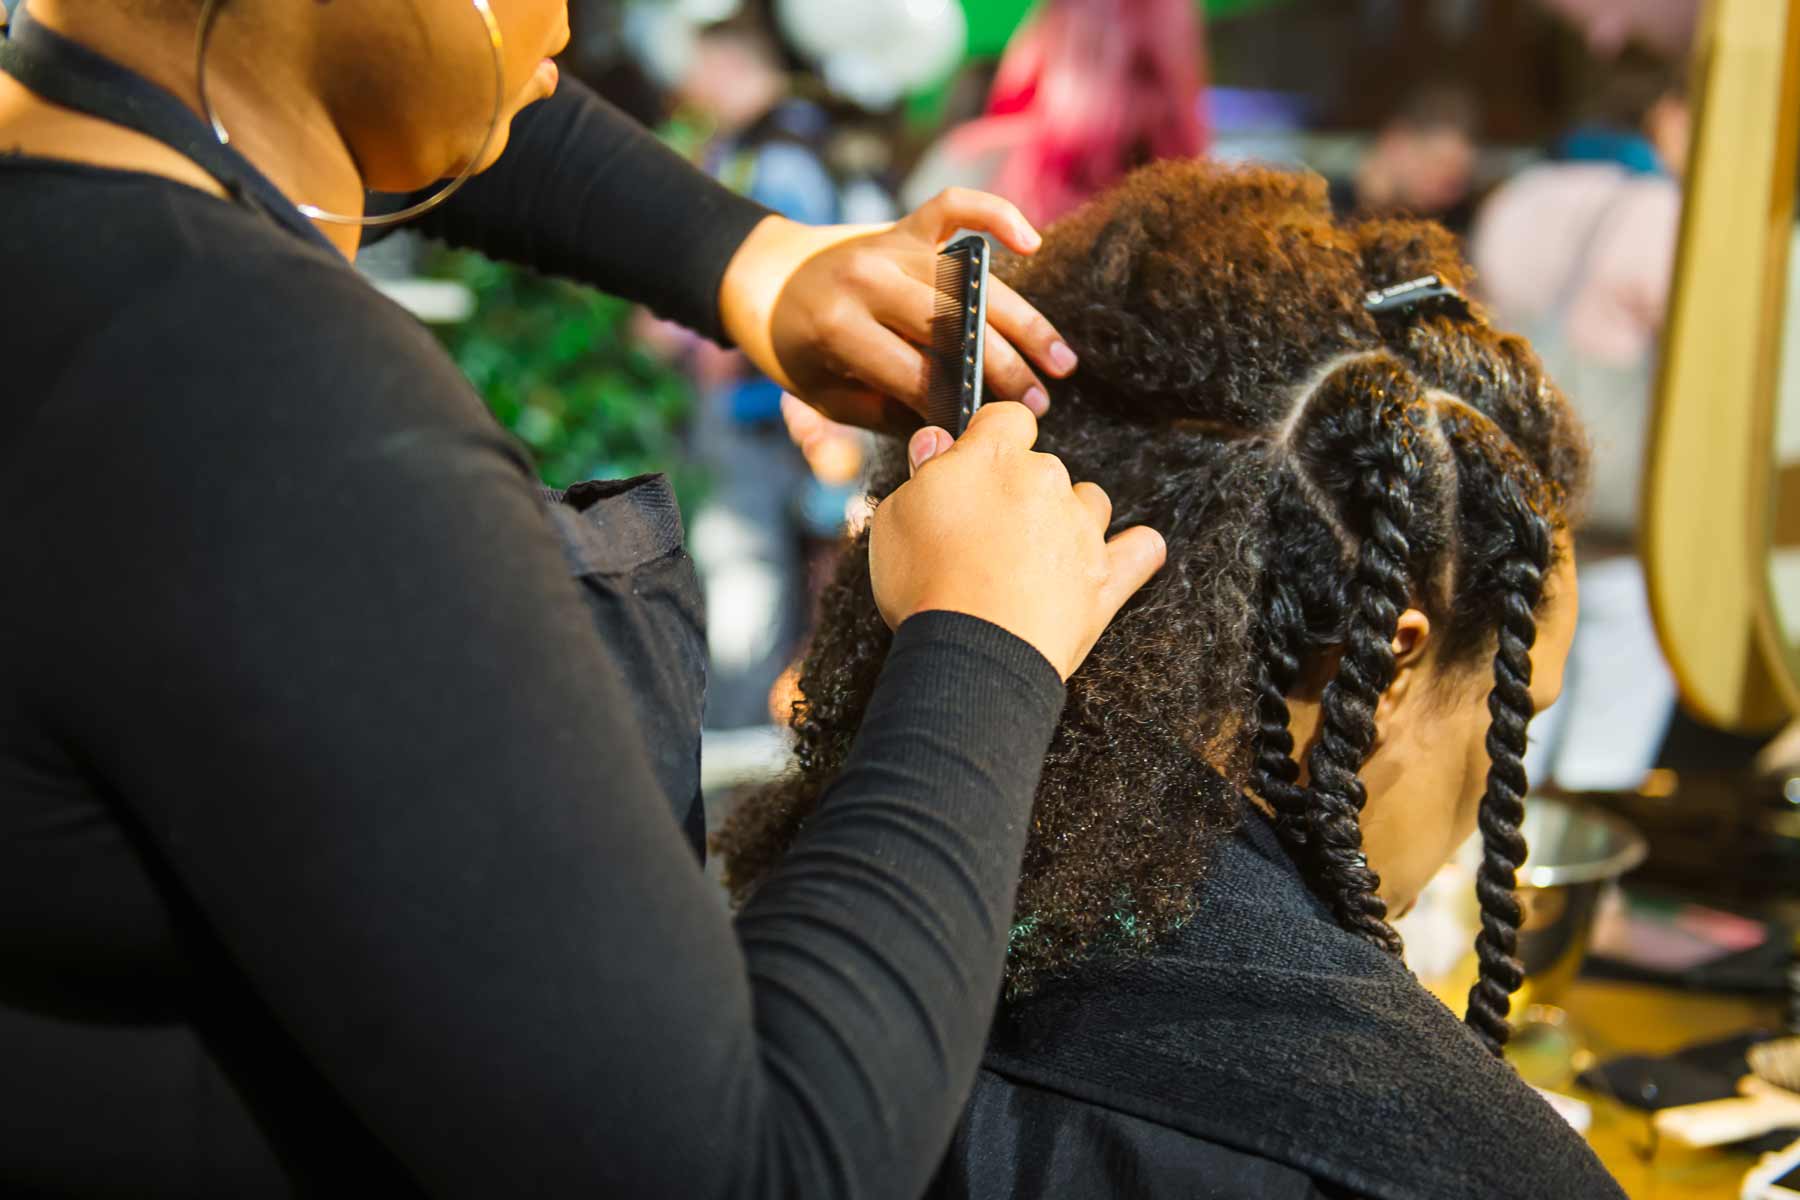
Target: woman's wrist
pixel 956 676
pixel 996 645
pixel 744 304
pixel 755 276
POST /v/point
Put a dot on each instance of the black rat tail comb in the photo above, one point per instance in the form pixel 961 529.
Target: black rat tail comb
pixel 958 323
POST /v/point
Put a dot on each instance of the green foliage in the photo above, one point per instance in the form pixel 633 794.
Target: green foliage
pixel 992 22
pixel 557 364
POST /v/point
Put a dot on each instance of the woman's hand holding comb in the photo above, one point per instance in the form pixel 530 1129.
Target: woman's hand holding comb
pixel 839 314
pixel 989 527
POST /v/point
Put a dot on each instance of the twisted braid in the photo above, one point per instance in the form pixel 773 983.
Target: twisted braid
pixel 1275 774
pixel 1515 581
pixel 1378 446
pixel 1303 610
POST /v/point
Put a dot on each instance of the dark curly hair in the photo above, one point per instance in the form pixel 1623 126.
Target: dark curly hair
pixel 1315 469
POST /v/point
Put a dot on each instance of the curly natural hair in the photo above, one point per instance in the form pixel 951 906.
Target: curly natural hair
pixel 1316 468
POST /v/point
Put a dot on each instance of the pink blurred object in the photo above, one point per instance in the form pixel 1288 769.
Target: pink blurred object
pixel 1670 936
pixel 1087 90
pixel 1591 238
pixel 1666 26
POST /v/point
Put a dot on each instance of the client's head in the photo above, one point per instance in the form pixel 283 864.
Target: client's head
pixel 1368 591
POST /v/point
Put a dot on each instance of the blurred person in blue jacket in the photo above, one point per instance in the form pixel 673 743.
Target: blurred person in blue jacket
pixel 749 537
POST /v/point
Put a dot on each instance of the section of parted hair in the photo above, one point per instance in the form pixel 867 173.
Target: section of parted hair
pixel 1314 472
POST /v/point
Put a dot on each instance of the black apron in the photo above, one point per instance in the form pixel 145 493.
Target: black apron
pixel 622 540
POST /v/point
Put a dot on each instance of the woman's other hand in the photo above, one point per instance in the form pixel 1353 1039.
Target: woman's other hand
pixel 833 451
pixel 991 528
pixel 838 314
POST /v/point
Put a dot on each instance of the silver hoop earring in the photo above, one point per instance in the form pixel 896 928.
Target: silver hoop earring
pixel 203 38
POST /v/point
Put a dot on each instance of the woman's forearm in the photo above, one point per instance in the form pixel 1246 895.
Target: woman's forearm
pixel 875 948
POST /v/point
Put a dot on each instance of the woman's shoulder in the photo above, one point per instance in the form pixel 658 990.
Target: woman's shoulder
pixel 214 360
pixel 78 228
pixel 131 297
pixel 92 252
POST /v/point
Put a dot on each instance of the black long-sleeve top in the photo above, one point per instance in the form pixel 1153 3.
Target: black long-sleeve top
pixel 330 857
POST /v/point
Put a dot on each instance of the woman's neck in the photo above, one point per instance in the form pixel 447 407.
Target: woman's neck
pixel 256 81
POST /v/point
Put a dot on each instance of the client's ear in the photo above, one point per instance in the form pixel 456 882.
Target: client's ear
pixel 1412 638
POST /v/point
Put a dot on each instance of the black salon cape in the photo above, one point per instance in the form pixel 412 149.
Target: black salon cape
pixel 1265 1053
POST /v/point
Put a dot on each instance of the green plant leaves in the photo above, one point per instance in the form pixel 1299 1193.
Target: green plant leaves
pixel 558 367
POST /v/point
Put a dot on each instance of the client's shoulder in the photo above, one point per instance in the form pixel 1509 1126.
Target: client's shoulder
pixel 1013 1132
pixel 1260 1019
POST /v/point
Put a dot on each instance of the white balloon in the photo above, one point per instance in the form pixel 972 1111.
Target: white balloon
pixel 661 38
pixel 935 42
pixel 706 12
pixel 822 28
pixel 875 51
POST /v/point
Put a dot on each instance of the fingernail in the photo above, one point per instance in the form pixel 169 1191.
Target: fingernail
pixel 1062 359
pixel 1037 401
pixel 921 447
pixel 1032 239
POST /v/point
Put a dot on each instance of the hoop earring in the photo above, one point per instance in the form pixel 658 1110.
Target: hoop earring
pixel 203 39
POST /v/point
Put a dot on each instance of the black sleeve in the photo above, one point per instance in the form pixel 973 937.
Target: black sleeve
pixel 317 635
pixel 585 192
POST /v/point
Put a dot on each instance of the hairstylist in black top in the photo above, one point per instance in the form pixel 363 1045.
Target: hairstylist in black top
pixel 336 844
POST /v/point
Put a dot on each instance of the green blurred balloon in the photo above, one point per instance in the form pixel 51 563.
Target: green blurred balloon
pixel 991 22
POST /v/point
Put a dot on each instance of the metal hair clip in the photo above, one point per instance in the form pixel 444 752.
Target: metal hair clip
pixel 1404 296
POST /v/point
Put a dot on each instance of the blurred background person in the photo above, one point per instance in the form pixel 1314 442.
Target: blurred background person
pixel 1421 163
pixel 1087 90
pixel 1576 253
pixel 765 142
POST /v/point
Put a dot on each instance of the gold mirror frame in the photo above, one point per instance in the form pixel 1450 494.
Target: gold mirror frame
pixel 1710 488
pixel 1779 485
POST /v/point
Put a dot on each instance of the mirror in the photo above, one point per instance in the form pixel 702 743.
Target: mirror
pixel 1781 624
pixel 1714 502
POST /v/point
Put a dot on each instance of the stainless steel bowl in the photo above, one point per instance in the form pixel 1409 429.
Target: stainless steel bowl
pixel 1575 852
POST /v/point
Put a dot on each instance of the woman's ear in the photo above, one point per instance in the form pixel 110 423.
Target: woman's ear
pixel 1412 638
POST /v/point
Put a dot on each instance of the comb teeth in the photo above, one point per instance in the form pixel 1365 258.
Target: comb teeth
pixel 944 389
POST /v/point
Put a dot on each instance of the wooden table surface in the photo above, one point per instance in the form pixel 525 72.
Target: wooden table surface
pixel 1617 1018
